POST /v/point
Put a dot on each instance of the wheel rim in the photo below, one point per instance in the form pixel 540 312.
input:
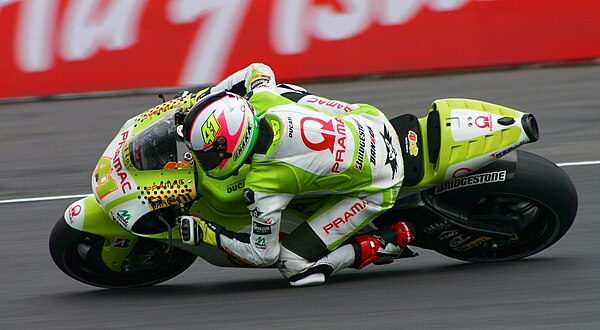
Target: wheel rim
pixel 82 260
pixel 536 224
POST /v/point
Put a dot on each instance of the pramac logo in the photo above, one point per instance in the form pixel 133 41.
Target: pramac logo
pixel 326 130
pixel 332 136
pixel 484 122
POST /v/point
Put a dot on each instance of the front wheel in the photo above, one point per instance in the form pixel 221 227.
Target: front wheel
pixel 78 254
pixel 540 201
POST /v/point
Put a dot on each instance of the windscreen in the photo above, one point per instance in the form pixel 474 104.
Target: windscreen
pixel 158 147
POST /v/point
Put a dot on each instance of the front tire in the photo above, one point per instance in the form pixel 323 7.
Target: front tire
pixel 78 254
pixel 541 199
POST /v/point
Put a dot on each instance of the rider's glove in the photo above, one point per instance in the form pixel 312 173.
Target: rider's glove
pixel 195 230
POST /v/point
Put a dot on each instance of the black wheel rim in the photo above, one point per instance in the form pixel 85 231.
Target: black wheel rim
pixel 536 224
pixel 82 260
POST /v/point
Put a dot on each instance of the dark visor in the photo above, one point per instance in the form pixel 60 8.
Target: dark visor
pixel 208 160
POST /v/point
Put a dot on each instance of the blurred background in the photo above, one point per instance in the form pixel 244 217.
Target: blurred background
pixel 59 58
pixel 52 47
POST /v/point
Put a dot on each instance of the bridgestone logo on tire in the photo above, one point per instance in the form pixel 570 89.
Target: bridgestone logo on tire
pixel 471 180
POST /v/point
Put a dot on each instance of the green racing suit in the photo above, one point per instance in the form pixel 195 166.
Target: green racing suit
pixel 309 146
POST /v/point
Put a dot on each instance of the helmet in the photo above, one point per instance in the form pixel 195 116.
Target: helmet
pixel 220 130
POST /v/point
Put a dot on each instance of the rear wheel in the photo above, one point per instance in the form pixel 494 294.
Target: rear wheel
pixel 539 204
pixel 78 254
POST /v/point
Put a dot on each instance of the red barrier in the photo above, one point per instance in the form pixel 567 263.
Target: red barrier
pixel 68 46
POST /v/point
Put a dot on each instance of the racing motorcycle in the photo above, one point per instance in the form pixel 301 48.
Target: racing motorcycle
pixel 469 194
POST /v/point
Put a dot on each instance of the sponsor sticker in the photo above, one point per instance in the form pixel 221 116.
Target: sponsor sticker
pixel 260 229
pixel 471 180
pixel 410 141
pixel 121 242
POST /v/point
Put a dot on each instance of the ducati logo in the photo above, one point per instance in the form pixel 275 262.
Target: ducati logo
pixel 324 128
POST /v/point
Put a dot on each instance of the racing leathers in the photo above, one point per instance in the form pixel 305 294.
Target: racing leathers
pixel 309 146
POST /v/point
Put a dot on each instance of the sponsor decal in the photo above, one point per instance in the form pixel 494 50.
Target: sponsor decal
pixel 290 127
pixel 259 80
pixel 121 242
pixel 458 240
pixel 122 217
pixel 437 227
pixel 476 242
pixel 392 154
pixel 504 152
pixel 471 180
pixel 446 234
pixel 238 152
pixel 338 105
pixel 327 133
pixel 349 214
pixel 160 201
pixel 410 141
pixel 260 243
pixel 163 185
pixel 255 213
pixel 372 149
pixel 484 122
pixel 330 140
pixel 461 172
pixel 360 158
pixel 236 186
pixel 74 211
pixel 118 167
pixel 178 165
pixel 260 229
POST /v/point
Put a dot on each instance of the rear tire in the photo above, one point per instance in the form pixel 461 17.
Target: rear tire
pixel 78 254
pixel 541 198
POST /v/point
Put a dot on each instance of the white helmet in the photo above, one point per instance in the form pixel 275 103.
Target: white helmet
pixel 221 130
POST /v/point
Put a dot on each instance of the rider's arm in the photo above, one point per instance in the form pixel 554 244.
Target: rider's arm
pixel 261 246
pixel 245 80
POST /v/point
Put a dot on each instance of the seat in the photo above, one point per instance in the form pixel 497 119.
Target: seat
pixel 411 141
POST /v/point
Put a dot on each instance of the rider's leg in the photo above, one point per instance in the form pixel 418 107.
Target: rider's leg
pixel 306 257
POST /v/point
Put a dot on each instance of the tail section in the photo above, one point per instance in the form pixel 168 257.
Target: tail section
pixel 460 136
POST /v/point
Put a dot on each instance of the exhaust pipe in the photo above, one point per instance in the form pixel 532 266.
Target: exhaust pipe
pixel 530 127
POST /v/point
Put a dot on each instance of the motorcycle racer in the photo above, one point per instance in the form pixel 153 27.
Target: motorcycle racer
pixel 297 144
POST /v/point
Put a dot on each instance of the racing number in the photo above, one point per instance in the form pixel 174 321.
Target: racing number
pixel 104 181
pixel 209 129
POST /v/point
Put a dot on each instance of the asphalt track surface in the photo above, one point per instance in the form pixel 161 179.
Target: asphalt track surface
pixel 50 149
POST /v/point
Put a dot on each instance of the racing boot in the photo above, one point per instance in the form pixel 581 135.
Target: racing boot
pixel 383 246
pixel 301 272
pixel 195 230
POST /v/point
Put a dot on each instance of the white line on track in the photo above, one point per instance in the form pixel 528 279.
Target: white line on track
pixel 40 199
pixel 592 162
pixel 51 198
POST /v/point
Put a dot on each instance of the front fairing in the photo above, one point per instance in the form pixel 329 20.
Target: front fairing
pixel 145 168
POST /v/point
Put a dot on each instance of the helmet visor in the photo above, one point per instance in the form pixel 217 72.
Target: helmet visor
pixel 209 160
